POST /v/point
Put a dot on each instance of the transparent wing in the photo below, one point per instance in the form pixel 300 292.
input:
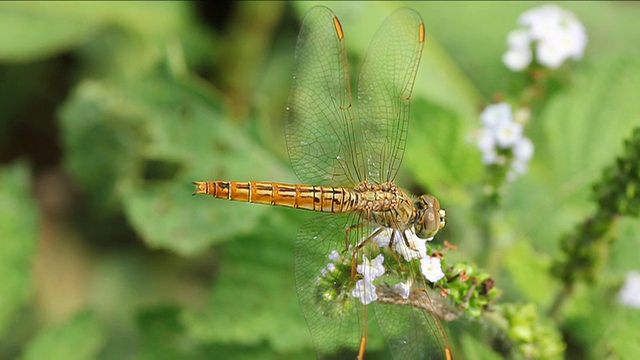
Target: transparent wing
pixel 384 92
pixel 320 128
pixel 324 290
pixel 411 326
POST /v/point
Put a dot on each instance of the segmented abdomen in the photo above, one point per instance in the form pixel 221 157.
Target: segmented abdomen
pixel 309 197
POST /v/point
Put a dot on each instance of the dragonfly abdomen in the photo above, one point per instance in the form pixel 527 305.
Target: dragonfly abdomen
pixel 308 197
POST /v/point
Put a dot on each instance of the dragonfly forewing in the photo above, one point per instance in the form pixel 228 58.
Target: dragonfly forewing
pixel 320 129
pixel 384 92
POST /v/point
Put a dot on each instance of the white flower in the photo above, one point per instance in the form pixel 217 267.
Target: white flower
pixel 417 247
pixel 503 128
pixel 629 294
pixel 551 53
pixel 383 238
pixel 365 291
pixel 331 267
pixel 490 156
pixel 371 269
pixel 495 115
pixel 575 39
pixel 543 21
pixel 519 39
pixel 517 59
pixel 334 256
pixel 486 140
pixel 508 134
pixel 519 55
pixel 402 289
pixel 523 150
pixel 431 268
pixel 555 32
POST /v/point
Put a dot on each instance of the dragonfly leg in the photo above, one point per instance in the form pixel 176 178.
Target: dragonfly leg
pixel 354 254
pixel 393 253
pixel 363 343
pixel 407 243
pixel 347 231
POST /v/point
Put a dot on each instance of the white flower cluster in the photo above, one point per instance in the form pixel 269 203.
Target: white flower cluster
pixel 502 130
pixel 555 34
pixel 417 249
pixel 370 269
pixel 629 294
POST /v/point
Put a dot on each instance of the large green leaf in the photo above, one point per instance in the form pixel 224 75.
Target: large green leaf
pixel 140 144
pixel 584 127
pixel 253 300
pixel 35 30
pixel 19 229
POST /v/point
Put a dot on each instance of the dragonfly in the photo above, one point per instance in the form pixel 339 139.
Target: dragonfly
pixel 367 253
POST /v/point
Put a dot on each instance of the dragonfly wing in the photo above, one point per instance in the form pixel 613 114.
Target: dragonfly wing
pixel 320 128
pixel 384 92
pixel 412 328
pixel 323 276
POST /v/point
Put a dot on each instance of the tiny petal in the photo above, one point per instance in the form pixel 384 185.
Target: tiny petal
pixel 490 157
pixel 542 21
pixel 523 150
pixel 402 289
pixel 495 115
pixel 517 59
pixel 383 238
pixel 519 39
pixel 371 269
pixel 417 247
pixel 331 267
pixel 629 294
pixel 431 268
pixel 334 256
pixel 485 139
pixel 508 134
pixel 365 291
pixel 551 53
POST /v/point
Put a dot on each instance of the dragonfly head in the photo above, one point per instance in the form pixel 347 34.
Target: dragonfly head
pixel 429 218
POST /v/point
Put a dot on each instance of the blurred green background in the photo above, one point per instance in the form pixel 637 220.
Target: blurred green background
pixel 109 110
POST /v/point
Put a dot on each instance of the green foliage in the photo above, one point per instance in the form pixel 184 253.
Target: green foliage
pixel 19 227
pixel 79 338
pixel 148 97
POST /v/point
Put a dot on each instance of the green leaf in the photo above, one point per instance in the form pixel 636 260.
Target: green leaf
pixel 584 128
pixel 164 337
pixel 34 30
pixel 529 271
pixel 599 324
pixel 438 153
pixel 79 338
pixel 254 300
pixel 140 144
pixel 19 228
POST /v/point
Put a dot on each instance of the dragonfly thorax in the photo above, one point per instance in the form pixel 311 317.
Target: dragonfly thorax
pixel 385 203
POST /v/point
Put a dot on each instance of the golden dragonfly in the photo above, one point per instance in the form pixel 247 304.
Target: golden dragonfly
pixel 371 247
